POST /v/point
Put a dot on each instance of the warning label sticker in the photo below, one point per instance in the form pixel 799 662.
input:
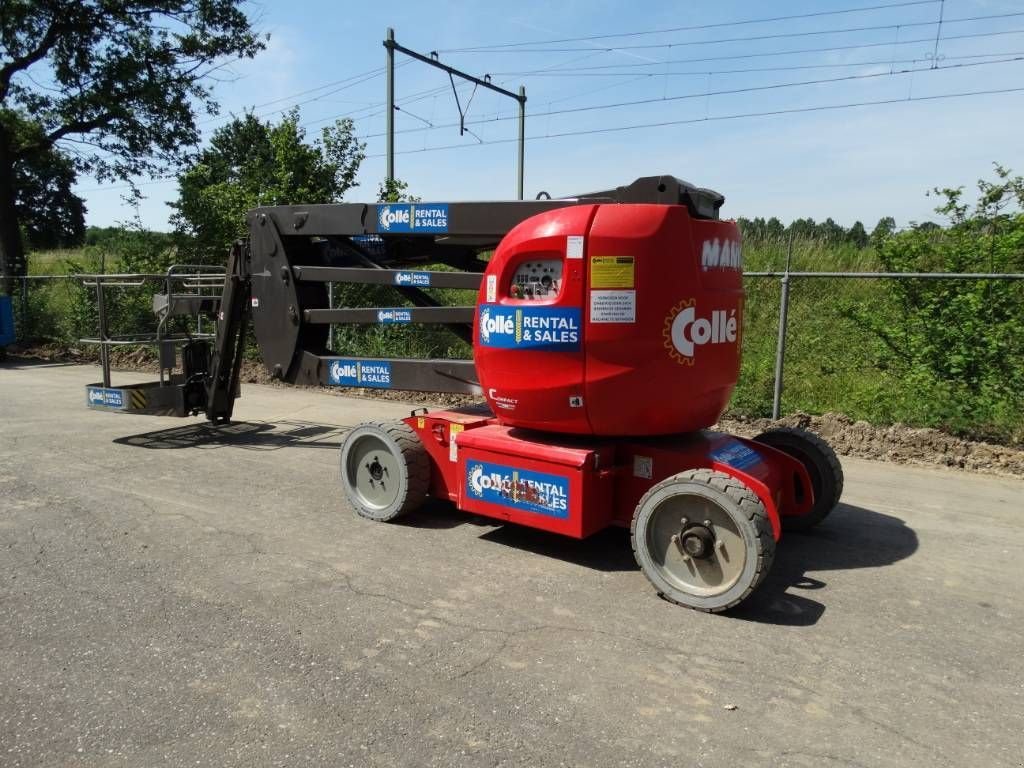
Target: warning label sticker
pixel 612 272
pixel 453 434
pixel 613 306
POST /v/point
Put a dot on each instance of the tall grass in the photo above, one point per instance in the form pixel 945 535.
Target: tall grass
pixel 833 363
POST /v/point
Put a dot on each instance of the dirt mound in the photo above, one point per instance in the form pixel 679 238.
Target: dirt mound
pixel 895 443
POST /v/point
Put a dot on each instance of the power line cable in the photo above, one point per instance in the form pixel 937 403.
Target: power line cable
pixel 759 70
pixel 709 93
pixel 662 124
pixel 793 52
pixel 344 84
pixel 777 36
pixel 771 113
pixel 694 27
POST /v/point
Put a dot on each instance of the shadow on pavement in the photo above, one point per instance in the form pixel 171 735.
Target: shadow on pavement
pixel 15 362
pixel 852 537
pixel 257 436
pixel 607 550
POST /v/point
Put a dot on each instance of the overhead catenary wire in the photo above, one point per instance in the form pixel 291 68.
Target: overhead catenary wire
pixel 659 124
pixel 721 92
pixel 611 129
pixel 342 85
pixel 716 118
pixel 696 27
pixel 753 38
pixel 372 110
pixel 793 52
pixel 554 70
pixel 762 70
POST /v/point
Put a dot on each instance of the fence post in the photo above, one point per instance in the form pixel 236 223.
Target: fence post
pixel 780 346
pixel 24 309
pixel 330 327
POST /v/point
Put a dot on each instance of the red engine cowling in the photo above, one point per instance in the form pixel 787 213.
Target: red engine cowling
pixel 611 320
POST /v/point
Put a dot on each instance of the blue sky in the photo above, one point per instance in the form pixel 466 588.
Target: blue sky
pixel 854 163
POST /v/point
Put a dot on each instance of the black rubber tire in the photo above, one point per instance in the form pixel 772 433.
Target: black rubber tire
pixel 410 459
pixel 734 499
pixel 822 465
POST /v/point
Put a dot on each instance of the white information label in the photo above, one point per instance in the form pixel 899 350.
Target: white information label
pixel 613 306
pixel 492 288
pixel 574 247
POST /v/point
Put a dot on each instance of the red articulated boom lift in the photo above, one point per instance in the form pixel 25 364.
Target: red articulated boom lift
pixel 606 338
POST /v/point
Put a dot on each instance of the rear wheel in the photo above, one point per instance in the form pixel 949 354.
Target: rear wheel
pixel 385 471
pixel 703 539
pixel 822 465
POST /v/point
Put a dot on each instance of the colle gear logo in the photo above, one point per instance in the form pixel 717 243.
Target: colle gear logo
pixel 684 330
pixel 476 473
pixel 689 307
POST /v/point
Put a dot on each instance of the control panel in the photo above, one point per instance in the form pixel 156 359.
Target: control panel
pixel 541 279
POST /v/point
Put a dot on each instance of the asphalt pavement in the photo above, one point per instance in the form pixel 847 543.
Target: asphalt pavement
pixel 174 594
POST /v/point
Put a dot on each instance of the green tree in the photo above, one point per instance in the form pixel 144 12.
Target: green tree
pixel 251 163
pixel 883 229
pixel 803 228
pixel 858 235
pixel 116 82
pixel 774 229
pixel 830 231
pixel 395 191
pixel 50 214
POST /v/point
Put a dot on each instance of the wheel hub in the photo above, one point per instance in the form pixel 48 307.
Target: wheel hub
pixel 376 470
pixel 697 541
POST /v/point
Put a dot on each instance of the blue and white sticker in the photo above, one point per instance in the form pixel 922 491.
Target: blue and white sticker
pixel 414 279
pixel 389 316
pixel 104 397
pixel 540 328
pixel 736 454
pixel 521 489
pixel 359 373
pixel 412 217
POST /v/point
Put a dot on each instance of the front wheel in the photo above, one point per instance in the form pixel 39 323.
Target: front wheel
pixel 822 466
pixel 385 471
pixel 703 539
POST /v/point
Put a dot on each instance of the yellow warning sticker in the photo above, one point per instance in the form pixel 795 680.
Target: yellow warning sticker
pixel 612 272
pixel 453 449
pixel 421 422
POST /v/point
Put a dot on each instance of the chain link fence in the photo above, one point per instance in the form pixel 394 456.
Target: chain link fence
pixel 866 344
pixel 928 349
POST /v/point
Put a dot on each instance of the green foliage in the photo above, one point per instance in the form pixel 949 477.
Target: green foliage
pixel 960 341
pixel 251 163
pixel 126 73
pixel 395 191
pixel 946 354
pixel 49 213
pixel 64 310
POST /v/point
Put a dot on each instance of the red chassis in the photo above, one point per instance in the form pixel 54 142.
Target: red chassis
pixel 577 486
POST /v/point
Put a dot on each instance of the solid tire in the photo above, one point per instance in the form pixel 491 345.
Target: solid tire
pixel 738 503
pixel 821 464
pixel 404 452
